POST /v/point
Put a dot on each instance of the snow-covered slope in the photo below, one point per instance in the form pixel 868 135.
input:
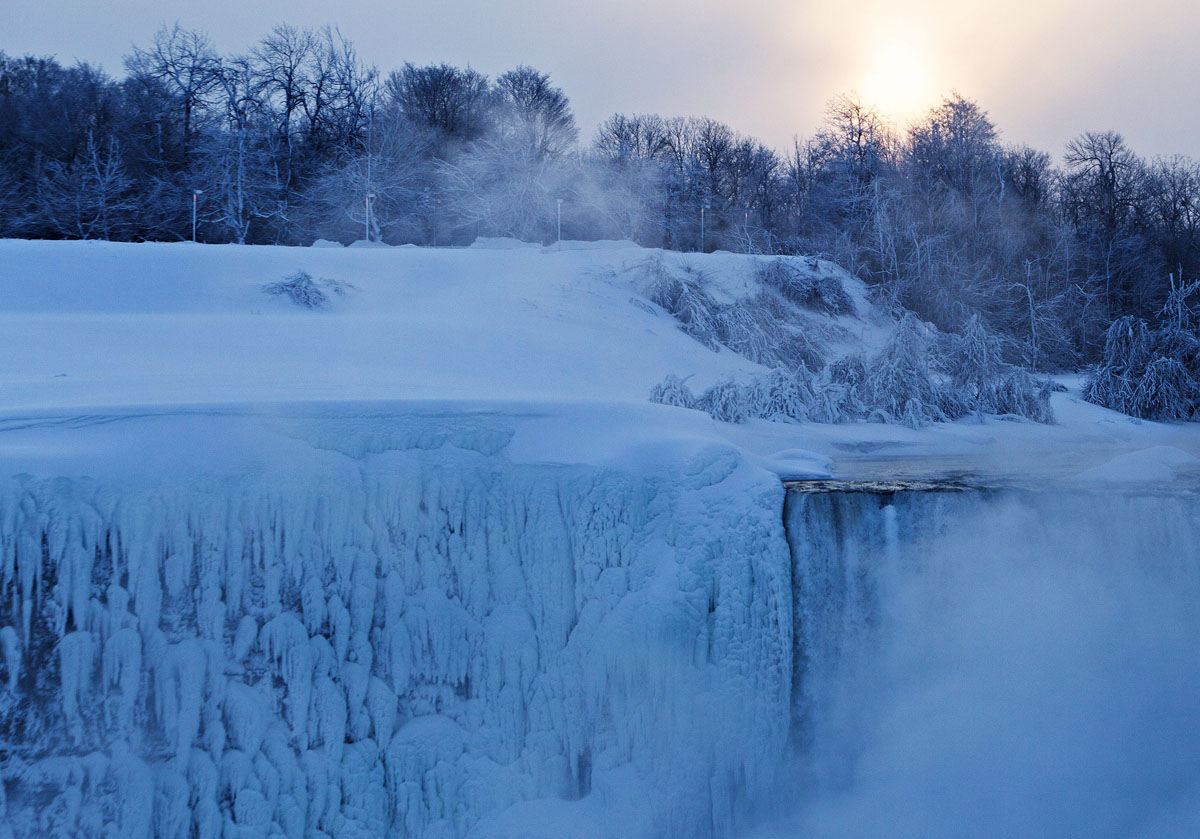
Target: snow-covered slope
pixel 89 324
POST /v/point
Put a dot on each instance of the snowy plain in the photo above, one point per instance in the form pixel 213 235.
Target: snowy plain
pixel 427 562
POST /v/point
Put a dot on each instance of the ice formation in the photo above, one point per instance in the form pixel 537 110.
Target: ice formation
pixel 406 648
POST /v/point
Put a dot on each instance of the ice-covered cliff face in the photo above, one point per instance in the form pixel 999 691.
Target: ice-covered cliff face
pixel 995 664
pixel 404 645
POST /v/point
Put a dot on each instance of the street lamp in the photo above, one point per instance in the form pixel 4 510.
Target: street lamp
pixel 367 217
pixel 559 223
pixel 703 209
pixel 196 193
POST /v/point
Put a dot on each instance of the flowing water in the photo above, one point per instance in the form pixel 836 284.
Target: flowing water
pixel 994 663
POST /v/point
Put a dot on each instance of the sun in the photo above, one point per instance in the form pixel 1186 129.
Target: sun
pixel 898 79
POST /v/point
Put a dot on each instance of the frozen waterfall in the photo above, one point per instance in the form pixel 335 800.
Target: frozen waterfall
pixel 424 638
pixel 407 644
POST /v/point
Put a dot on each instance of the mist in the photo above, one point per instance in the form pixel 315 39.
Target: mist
pixel 1030 670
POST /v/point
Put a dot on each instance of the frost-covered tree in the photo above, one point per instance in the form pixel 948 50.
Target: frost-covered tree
pixel 93 197
pixel 242 185
pixel 536 114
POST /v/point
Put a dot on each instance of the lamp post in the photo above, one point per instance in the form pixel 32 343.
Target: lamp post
pixel 559 223
pixel 703 209
pixel 367 216
pixel 196 193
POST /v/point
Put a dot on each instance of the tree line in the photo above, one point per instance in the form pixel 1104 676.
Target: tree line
pixel 299 139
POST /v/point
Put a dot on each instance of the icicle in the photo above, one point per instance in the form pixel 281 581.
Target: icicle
pixel 10 653
pixel 122 670
pixel 75 656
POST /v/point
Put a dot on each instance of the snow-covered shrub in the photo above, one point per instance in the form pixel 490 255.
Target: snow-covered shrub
pixel 780 396
pixel 1151 373
pixel 725 401
pixel 1128 344
pixel 810 290
pixel 899 381
pixel 1018 394
pixel 304 291
pixel 973 362
pixel 1111 388
pixel 1165 391
pixel 742 332
pixel 673 391
pixel 684 300
pixel 840 396
pixel 759 327
pixel 905 382
pixel 980 382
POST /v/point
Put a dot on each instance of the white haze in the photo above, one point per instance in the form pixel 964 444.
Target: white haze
pixel 1034 672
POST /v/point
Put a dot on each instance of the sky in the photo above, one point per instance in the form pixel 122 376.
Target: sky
pixel 1046 70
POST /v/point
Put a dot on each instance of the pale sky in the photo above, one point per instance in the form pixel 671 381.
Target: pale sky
pixel 1046 70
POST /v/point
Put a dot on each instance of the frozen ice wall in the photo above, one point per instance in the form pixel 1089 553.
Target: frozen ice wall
pixel 403 646
pixel 994 664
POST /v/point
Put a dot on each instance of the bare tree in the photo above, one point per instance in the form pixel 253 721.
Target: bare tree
pixel 185 61
pixel 452 103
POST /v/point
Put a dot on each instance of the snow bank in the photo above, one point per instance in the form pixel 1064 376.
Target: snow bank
pixel 1155 465
pixel 501 243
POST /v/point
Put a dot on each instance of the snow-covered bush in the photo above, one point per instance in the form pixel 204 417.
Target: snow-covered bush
pixel 1152 373
pixel 838 397
pixel 779 396
pixel 761 327
pixel 673 391
pixel 684 300
pixel 1165 391
pixel 973 362
pixel 1019 394
pixel 725 401
pixel 905 382
pixel 980 382
pixel 1111 388
pixel 900 384
pixel 809 290
pixel 304 291
pixel 758 328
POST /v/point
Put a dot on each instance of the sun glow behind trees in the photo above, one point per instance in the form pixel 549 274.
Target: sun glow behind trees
pixel 898 79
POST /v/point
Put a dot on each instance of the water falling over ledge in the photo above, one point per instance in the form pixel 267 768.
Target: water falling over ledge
pixel 990 661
